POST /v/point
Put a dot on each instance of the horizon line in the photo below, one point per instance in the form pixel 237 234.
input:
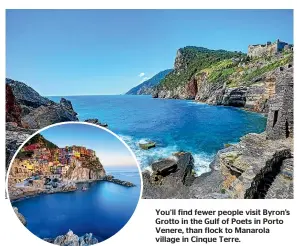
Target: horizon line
pixel 85 95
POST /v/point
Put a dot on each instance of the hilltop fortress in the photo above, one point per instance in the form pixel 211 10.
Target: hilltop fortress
pixel 268 49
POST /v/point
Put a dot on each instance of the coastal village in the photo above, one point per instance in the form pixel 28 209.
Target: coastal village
pixel 42 167
pixel 36 159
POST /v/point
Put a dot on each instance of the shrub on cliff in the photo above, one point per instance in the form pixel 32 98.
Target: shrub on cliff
pixel 191 60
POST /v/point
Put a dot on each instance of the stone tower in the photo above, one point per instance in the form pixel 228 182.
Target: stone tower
pixel 280 116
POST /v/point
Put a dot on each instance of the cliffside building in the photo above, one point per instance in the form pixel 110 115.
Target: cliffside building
pixel 268 49
pixel 280 117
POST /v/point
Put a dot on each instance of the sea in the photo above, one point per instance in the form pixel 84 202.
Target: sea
pixel 175 125
pixel 103 209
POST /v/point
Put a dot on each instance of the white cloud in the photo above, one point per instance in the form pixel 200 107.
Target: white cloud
pixel 141 75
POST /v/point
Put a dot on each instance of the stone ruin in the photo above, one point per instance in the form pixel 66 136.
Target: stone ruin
pixel 268 49
pixel 280 116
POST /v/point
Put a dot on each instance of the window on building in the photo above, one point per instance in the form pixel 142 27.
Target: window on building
pixel 275 117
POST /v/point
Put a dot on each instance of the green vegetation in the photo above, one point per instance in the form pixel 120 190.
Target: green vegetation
pixel 25 154
pixel 220 66
pixel 271 66
pixel 38 138
pixel 195 59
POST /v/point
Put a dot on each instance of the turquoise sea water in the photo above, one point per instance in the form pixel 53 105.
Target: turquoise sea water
pixel 103 209
pixel 174 124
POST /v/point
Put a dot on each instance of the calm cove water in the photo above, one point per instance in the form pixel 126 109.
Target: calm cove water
pixel 174 124
pixel 103 209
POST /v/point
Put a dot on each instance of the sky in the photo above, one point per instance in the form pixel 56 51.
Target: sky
pixel 107 52
pixel 110 150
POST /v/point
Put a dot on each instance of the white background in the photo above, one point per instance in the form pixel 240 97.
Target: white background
pixel 140 230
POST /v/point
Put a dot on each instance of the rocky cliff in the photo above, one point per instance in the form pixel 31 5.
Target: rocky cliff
pixel 224 78
pixel 147 87
pixel 27 111
pixel 87 170
pixel 259 166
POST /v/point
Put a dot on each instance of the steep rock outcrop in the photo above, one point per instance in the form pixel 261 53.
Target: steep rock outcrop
pixel 13 109
pixel 87 171
pixel 27 111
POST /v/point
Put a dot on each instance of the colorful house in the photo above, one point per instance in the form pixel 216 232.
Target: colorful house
pixel 29 166
pixel 77 154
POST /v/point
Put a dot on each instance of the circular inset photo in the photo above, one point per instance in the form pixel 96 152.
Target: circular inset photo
pixel 74 184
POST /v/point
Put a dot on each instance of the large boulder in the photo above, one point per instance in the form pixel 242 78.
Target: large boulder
pixel 169 177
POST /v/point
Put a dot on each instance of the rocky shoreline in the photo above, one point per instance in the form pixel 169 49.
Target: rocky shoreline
pixel 111 179
pixel 260 166
pixel 70 239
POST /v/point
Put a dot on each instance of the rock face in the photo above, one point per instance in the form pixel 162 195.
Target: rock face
pixel 13 109
pixel 250 167
pixel 20 216
pixel 282 187
pixel 27 111
pixel 87 171
pixel 147 87
pixel 47 115
pixel 70 239
pixel 85 174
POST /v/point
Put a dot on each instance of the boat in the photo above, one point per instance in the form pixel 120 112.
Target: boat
pixel 84 188
pixel 147 145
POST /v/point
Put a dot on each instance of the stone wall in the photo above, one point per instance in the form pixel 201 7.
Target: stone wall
pixel 268 49
pixel 280 117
